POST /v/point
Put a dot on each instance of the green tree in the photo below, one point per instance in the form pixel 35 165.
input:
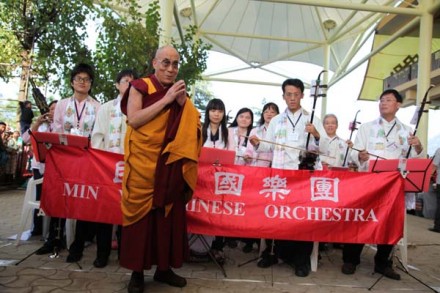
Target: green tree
pixel 194 54
pixel 202 95
pixel 51 38
pixel 125 43
pixel 9 59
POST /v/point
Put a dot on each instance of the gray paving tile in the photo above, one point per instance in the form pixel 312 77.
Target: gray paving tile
pixel 45 274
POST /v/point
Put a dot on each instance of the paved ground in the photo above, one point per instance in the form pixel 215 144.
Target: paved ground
pixel 22 271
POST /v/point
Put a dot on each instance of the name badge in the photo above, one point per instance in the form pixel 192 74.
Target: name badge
pixel 76 131
pixel 295 136
pixel 379 146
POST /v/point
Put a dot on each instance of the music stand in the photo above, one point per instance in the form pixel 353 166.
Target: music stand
pixel 42 141
pixel 216 157
pixel 416 174
pixel 415 171
pixel 205 243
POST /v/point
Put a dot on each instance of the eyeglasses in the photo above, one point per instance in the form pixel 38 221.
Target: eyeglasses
pixel 82 80
pixel 294 95
pixel 165 63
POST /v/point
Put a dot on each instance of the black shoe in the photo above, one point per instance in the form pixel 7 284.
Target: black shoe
pixel 136 284
pixel 248 247
pixel 302 271
pixel 387 272
pixel 100 262
pixel 170 278
pixel 434 230
pixel 74 257
pixel 348 268
pixel 267 261
pixel 45 249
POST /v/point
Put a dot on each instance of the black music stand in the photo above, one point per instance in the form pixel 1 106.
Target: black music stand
pixel 216 157
pixel 416 174
pixel 42 142
pixel 415 171
pixel 205 243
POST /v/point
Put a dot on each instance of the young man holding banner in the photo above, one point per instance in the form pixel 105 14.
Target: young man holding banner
pixel 388 138
pixel 291 128
pixel 162 145
pixel 74 115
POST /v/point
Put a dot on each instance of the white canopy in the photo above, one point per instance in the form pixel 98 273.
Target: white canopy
pixel 262 32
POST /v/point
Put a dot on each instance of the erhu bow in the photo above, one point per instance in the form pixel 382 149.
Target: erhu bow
pixel 419 114
pixel 308 159
pixel 352 128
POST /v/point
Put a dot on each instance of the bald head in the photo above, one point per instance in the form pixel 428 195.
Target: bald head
pixel 165 50
pixel 166 64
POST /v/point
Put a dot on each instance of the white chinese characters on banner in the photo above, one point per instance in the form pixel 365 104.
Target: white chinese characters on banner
pixel 228 183
pixel 119 172
pixel 323 188
pixel 275 186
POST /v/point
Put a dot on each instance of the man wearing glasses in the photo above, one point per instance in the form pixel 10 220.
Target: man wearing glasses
pixel 389 138
pixel 74 115
pixel 161 150
pixel 291 128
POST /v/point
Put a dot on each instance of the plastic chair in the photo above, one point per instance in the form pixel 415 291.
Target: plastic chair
pixel 30 203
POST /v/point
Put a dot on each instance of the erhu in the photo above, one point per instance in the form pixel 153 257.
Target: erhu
pixel 419 114
pixel 307 158
pixel 352 128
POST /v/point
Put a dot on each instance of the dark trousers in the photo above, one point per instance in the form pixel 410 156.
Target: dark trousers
pixel 351 253
pixel 269 249
pixel 218 243
pixel 103 237
pixel 56 232
pixel 293 252
pixel 296 252
pixel 437 211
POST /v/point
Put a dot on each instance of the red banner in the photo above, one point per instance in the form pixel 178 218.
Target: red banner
pixel 325 206
pixel 83 184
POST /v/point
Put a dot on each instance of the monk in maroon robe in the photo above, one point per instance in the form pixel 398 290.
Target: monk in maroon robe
pixel 162 145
